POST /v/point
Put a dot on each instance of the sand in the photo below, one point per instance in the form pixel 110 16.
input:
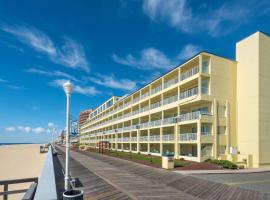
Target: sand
pixel 20 161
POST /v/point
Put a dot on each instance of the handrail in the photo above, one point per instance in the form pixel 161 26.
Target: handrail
pixel 47 187
pixel 5 183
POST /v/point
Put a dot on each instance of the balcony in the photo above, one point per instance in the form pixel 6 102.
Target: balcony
pixel 156 105
pixel 144 125
pixel 189 73
pixel 168 137
pixel 127 128
pixel 126 139
pixel 133 139
pixel 145 95
pixel 119 139
pixel 170 82
pixel 189 93
pixel 136 112
pixel 155 123
pixel 135 127
pixel 156 89
pixel 169 120
pixel 188 137
pixel 144 138
pixel 154 138
pixel 189 116
pixel 136 99
pixel 169 100
pixel 145 108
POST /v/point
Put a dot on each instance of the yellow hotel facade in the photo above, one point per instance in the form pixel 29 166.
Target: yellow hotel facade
pixel 208 107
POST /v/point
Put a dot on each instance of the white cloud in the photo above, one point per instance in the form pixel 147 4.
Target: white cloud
pixel 28 129
pixel 85 90
pixel 70 54
pixel 51 124
pixel 112 82
pixel 149 58
pixel 215 20
pixel 188 51
pixel 2 80
pixel 38 130
pixel 153 59
pixel 10 129
pixel 51 74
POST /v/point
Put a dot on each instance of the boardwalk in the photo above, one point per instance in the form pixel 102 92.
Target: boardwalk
pixel 142 182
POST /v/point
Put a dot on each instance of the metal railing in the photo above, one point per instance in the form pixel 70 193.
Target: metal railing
pixel 169 100
pixel 143 138
pixel 189 73
pixel 188 136
pixel 155 123
pixel 170 82
pixel 189 116
pixel 145 108
pixel 145 95
pixel 168 137
pixel 156 89
pixel 154 138
pixel 169 120
pixel 189 93
pixel 156 105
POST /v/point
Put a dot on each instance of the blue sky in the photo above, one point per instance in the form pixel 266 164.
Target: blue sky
pixel 105 48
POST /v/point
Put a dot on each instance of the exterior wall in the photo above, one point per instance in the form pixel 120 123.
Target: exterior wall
pixel 247 56
pixel 264 100
pixel 253 98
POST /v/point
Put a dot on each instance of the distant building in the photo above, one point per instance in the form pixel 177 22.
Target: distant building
pixel 83 116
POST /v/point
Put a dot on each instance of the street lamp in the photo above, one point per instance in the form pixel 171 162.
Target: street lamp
pixel 68 88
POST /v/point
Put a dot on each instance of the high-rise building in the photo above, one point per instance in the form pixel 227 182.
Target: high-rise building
pixel 207 107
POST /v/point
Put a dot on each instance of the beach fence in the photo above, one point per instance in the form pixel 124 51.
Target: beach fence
pixel 42 188
pixel 29 192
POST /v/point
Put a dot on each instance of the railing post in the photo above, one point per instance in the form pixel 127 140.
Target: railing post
pixel 5 197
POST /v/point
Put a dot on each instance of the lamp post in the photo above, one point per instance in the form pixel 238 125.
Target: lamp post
pixel 68 88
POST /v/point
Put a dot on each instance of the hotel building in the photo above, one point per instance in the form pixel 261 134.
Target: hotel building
pixel 207 107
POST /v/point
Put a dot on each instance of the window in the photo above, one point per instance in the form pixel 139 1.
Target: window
pixel 205 130
pixel 221 149
pixel 221 130
pixel 205 66
pixel 205 87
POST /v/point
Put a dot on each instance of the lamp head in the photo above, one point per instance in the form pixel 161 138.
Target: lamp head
pixel 68 87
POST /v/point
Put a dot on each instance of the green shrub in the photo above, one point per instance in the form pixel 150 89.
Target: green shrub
pixel 224 163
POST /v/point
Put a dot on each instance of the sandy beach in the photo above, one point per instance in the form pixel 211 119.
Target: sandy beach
pixel 20 161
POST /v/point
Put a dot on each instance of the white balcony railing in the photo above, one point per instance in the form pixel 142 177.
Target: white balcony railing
pixel 169 120
pixel 136 99
pixel 145 95
pixel 156 89
pixel 189 93
pixel 170 82
pixel 133 139
pixel 144 138
pixel 189 116
pixel 145 108
pixel 168 137
pixel 144 125
pixel 154 137
pixel 189 73
pixel 169 100
pixel 188 137
pixel 126 139
pixel 136 111
pixel 156 105
pixel 155 123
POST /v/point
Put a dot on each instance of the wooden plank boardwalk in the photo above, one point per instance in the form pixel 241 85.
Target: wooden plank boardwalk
pixel 94 187
pixel 144 182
